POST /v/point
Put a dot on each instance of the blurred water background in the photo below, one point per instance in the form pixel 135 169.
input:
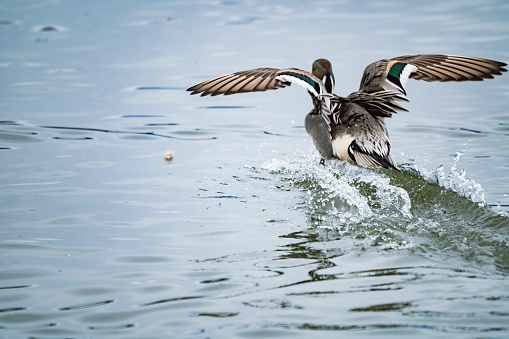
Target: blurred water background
pixel 243 234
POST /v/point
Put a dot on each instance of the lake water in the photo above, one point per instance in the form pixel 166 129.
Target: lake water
pixel 243 234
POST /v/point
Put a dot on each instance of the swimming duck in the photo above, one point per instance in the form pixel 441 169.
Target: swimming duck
pixel 352 128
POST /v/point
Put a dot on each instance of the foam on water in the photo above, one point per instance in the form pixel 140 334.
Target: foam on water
pixel 456 180
pixel 354 193
pixel 430 212
pixel 328 188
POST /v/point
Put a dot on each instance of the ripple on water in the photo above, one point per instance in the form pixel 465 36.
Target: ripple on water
pixel 146 259
pixel 18 138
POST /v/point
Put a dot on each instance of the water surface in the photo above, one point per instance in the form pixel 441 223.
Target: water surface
pixel 243 233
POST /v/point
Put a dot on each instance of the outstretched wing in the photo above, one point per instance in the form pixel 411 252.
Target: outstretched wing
pixel 393 74
pixel 257 80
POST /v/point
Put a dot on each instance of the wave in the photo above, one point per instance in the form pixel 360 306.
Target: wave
pixel 434 213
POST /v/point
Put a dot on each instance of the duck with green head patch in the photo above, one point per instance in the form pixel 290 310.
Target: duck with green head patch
pixel 352 128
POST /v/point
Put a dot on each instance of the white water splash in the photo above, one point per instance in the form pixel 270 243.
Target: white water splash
pixel 388 195
pixel 455 180
pixel 344 192
pixel 341 194
pixel 328 192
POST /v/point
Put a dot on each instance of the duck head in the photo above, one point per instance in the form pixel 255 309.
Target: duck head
pixel 322 68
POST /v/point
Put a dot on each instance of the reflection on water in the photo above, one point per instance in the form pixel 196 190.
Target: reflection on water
pixel 243 233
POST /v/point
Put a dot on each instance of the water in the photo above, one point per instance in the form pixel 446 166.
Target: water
pixel 243 233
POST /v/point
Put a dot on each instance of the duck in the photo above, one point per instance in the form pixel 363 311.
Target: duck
pixel 353 128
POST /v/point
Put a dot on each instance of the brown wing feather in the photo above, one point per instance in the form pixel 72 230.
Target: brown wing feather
pixel 433 67
pixel 255 80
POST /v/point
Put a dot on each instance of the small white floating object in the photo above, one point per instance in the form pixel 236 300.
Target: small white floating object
pixel 168 156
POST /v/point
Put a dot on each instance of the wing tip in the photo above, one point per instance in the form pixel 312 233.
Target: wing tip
pixel 195 90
